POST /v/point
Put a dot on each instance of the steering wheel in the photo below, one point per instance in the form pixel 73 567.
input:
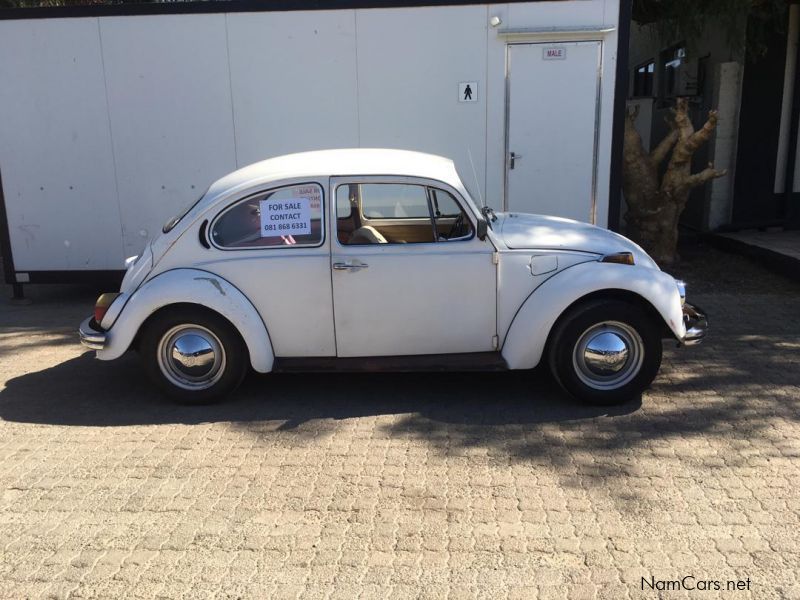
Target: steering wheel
pixel 456 227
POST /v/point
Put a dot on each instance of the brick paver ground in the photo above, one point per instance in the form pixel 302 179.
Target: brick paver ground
pixel 403 486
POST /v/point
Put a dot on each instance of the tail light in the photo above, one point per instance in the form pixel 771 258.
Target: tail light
pixel 102 305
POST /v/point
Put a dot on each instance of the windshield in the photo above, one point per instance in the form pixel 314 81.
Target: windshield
pixel 170 224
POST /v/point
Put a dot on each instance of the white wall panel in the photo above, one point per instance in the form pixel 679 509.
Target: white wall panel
pixel 171 119
pixel 558 15
pixel 410 62
pixel 293 77
pixel 55 149
pixel 109 125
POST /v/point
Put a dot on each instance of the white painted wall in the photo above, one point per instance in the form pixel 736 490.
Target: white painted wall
pixel 294 80
pixel 55 147
pixel 169 104
pixel 140 114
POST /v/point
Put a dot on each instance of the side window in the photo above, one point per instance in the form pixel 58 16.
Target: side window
pixel 396 213
pixel 383 213
pixel 287 216
pixel 345 199
pixel 451 221
pixel 393 201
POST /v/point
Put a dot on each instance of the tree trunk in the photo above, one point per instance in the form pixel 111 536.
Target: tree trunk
pixel 655 204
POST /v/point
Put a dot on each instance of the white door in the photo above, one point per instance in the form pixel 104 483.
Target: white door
pixel 553 107
pixel 405 282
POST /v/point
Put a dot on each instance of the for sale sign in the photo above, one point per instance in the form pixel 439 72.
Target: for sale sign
pixel 285 217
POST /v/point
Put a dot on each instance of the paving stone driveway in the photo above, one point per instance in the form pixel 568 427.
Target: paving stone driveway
pixel 403 486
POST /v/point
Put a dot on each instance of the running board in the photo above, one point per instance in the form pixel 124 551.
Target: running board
pixel 475 361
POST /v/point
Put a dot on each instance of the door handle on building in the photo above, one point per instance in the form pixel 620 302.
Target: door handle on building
pixel 512 159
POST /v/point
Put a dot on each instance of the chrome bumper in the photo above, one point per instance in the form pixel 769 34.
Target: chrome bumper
pixel 91 337
pixel 696 325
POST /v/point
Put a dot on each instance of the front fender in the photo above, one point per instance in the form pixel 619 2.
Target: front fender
pixel 195 287
pixel 528 332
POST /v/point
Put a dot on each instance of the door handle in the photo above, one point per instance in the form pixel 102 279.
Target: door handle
pixel 512 159
pixel 348 266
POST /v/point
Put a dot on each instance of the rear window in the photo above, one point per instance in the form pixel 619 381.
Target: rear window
pixel 281 217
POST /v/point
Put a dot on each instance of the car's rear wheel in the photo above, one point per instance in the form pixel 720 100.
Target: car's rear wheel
pixel 605 351
pixel 194 355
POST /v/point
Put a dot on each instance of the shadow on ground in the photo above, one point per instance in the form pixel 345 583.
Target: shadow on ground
pixel 739 384
pixel 86 392
pixel 519 414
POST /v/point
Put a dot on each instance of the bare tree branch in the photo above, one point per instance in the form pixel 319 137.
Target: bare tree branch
pixel 704 134
pixel 681 119
pixel 704 176
pixel 655 197
pixel 661 151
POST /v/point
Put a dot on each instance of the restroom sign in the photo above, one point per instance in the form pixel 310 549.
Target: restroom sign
pixel 468 91
pixel 554 53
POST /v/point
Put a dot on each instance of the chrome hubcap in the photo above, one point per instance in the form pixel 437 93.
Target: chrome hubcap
pixel 191 357
pixel 608 355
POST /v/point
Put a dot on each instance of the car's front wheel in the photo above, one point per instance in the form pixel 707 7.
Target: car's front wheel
pixel 605 351
pixel 194 355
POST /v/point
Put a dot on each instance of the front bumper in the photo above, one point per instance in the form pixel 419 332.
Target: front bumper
pixel 91 335
pixel 696 325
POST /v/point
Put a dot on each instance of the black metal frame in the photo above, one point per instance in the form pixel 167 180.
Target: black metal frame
pixel 231 6
pixel 618 128
pixel 5 247
pixel 790 205
pixel 236 6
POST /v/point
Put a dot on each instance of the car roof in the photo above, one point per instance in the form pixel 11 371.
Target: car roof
pixel 342 162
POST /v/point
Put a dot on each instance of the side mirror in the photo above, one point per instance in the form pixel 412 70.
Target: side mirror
pixel 483 227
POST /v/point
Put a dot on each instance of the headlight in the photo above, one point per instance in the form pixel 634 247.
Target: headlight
pixel 620 258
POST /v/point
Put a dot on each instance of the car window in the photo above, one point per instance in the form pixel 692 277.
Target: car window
pixel 396 213
pixel 286 216
pixel 383 213
pixel 345 198
pixel 451 221
pixel 393 201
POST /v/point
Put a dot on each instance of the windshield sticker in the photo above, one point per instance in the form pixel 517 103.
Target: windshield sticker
pixel 285 217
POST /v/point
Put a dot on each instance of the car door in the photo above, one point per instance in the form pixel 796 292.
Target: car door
pixel 406 280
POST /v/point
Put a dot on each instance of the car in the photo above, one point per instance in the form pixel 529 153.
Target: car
pixel 377 259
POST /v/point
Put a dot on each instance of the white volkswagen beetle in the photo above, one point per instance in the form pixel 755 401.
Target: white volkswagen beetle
pixel 380 259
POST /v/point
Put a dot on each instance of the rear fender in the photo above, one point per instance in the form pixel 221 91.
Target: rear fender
pixel 531 326
pixel 193 286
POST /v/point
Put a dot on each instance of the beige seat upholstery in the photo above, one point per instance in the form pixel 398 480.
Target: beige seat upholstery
pixel 367 235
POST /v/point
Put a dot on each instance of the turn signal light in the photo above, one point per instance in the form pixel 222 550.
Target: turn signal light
pixel 620 258
pixel 102 305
